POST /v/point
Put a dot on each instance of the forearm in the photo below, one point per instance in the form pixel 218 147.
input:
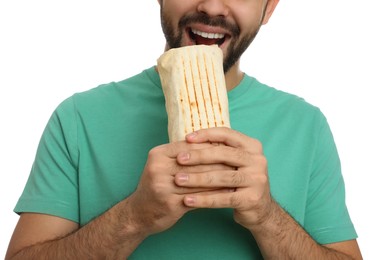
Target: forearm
pixel 109 236
pixel 281 237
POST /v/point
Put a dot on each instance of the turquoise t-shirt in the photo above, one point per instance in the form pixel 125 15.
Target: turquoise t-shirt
pixel 95 146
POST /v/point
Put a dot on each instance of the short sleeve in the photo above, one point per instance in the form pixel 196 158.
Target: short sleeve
pixel 52 187
pixel 327 219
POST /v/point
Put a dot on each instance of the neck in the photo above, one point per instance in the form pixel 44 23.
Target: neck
pixel 234 76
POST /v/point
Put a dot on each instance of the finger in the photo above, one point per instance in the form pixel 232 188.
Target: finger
pixel 224 135
pixel 230 178
pixel 225 199
pixel 193 190
pixel 170 166
pixel 171 150
pixel 234 157
pixel 204 168
pixel 178 168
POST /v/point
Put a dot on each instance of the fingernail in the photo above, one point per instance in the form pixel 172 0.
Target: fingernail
pixel 192 135
pixel 190 200
pixel 181 177
pixel 184 156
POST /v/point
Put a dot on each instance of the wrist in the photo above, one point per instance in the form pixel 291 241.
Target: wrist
pixel 129 225
pixel 268 219
pixel 263 218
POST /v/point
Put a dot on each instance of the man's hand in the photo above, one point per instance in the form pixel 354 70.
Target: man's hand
pixel 157 203
pixel 246 179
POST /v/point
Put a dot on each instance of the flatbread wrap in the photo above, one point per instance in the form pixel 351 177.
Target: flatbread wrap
pixel 193 82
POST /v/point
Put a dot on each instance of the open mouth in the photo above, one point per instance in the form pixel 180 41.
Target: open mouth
pixel 206 38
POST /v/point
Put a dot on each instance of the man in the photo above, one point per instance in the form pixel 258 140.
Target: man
pixel 105 183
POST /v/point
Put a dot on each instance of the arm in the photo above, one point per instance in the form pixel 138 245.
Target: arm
pixel 280 236
pixel 155 206
pixel 39 236
pixel 277 234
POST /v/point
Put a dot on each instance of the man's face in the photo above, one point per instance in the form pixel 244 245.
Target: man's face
pixel 232 24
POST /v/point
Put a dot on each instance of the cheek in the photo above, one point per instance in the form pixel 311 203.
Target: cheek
pixel 250 21
pixel 176 8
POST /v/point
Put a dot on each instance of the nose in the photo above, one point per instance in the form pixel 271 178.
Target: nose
pixel 213 7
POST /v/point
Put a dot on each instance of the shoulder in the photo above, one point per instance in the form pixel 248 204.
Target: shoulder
pixel 134 83
pixel 113 93
pixel 274 101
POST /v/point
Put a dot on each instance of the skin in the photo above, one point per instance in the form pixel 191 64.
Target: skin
pixel 212 168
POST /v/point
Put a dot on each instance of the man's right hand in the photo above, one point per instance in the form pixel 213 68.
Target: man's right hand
pixel 157 203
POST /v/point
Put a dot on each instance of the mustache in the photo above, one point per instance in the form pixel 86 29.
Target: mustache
pixel 211 21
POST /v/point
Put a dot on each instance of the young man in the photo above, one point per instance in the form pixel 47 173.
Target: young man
pixel 105 183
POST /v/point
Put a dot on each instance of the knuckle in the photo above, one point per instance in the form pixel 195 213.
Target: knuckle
pixel 157 152
pixel 262 179
pixel 209 179
pixel 234 201
pixel 225 129
pixel 154 152
pixel 257 144
pixel 198 155
pixel 241 154
pixel 152 168
pixel 261 161
pixel 253 199
pixel 212 203
pixel 237 178
pixel 208 202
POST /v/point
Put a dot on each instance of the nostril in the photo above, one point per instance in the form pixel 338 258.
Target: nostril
pixel 213 8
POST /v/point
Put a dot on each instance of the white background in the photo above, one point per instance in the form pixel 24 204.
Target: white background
pixel 335 54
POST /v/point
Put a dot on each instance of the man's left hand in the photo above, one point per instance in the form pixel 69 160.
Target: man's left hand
pixel 246 179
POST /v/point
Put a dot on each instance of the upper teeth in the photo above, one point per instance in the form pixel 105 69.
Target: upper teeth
pixel 208 35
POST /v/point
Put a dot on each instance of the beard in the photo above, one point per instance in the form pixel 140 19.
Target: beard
pixel 237 45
